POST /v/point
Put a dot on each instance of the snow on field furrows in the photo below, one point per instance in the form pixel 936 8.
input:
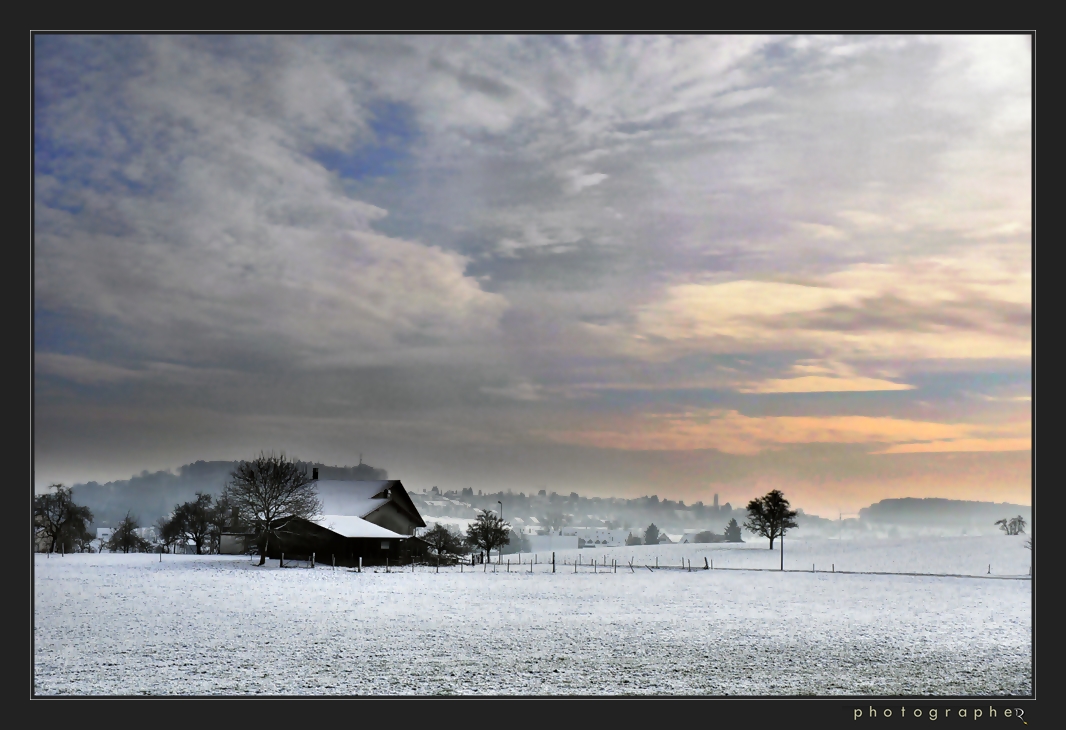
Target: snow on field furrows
pixel 128 624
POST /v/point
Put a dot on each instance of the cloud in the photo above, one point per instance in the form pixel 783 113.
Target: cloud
pixel 965 307
pixel 522 391
pixel 578 180
pixel 732 432
pixel 820 231
pixel 1006 444
pixel 822 384
pixel 82 370
pixel 241 243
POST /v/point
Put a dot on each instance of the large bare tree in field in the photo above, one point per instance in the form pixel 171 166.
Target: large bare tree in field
pixel 59 521
pixel 266 492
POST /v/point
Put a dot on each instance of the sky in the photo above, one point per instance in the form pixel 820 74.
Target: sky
pixel 615 265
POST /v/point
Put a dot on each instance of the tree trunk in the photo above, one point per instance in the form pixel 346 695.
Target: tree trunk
pixel 263 552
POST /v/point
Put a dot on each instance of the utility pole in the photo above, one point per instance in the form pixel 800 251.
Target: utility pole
pixel 782 549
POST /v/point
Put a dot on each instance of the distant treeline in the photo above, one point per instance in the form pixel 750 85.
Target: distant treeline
pixel 153 495
pixel 931 512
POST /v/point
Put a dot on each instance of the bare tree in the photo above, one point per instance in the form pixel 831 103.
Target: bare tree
pixel 770 516
pixel 555 520
pixel 223 517
pixel 59 521
pixel 194 520
pixel 443 540
pixel 125 538
pixel 488 532
pixel 1013 526
pixel 266 492
pixel 169 531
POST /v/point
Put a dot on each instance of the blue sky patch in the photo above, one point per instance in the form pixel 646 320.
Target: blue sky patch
pixel 395 132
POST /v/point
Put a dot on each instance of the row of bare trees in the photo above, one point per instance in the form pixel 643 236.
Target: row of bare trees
pixel 61 525
pixel 200 522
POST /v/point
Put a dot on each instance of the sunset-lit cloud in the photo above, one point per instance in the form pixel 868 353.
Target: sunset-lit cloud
pixel 977 306
pixel 735 433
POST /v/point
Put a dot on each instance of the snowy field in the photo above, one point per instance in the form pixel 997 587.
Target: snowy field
pixel 130 625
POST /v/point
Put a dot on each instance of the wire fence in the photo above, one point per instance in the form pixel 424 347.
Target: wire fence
pixel 604 565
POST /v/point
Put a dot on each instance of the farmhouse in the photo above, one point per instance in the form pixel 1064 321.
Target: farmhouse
pixel 372 520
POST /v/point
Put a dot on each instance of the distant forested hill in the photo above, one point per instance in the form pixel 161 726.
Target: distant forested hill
pixel 933 512
pixel 152 495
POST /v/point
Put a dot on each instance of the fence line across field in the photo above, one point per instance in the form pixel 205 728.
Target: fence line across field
pixel 610 566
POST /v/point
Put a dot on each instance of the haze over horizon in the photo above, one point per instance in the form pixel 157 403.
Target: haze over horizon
pixel 612 265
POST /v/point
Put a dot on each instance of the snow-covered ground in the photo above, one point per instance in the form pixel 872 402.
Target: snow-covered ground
pixel 956 555
pixel 128 624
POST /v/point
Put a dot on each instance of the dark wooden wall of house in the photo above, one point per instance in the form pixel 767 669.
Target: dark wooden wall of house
pixel 304 538
pixel 392 517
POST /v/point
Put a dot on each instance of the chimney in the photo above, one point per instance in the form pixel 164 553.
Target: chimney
pixel 314 474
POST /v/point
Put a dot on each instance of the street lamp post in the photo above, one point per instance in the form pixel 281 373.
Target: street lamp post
pixel 499 550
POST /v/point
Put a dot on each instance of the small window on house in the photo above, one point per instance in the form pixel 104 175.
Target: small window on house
pixel 384 543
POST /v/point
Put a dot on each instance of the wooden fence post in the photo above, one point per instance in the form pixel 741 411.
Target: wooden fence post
pixel 553 562
pixel 312 560
pixel 281 561
pixel 705 566
pixel 360 563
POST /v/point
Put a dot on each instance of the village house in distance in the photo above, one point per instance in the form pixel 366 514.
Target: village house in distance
pixel 371 520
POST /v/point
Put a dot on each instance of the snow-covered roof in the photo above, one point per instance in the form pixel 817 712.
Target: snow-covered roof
pixel 350 498
pixel 350 526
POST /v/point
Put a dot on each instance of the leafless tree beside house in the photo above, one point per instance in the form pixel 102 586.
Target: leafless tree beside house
pixel 266 492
